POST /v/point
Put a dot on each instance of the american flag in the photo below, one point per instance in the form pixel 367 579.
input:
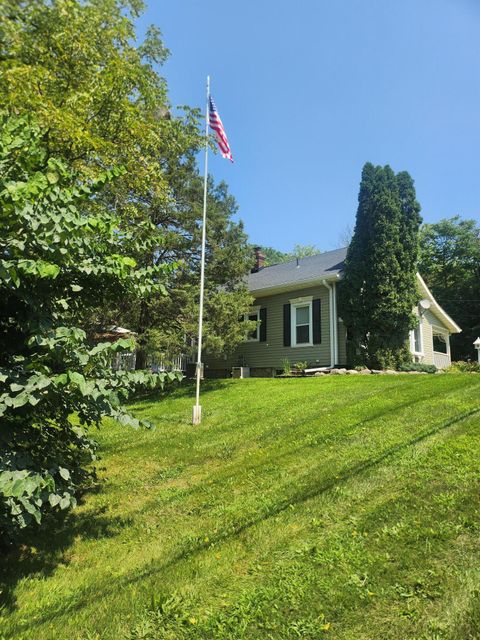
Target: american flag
pixel 216 124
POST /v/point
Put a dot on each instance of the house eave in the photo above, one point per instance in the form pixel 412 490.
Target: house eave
pixel 436 309
pixel 293 286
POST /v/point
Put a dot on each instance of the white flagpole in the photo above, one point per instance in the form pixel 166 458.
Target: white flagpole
pixel 197 409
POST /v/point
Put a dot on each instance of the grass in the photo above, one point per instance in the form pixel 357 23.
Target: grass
pixel 343 508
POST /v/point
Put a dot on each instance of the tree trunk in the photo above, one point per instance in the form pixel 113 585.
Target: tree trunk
pixel 141 359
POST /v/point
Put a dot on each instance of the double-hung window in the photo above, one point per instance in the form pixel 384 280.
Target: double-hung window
pixel 301 321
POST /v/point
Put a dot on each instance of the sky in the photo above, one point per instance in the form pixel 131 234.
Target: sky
pixel 310 91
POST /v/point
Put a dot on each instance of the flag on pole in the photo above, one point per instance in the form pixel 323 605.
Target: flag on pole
pixel 216 124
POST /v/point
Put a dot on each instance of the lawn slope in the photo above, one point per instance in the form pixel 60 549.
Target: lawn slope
pixel 344 508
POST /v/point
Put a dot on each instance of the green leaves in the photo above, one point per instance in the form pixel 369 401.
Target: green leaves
pixel 64 473
pixel 449 263
pixel 61 255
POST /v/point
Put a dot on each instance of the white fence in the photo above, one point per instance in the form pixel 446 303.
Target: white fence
pixel 175 364
pixel 126 362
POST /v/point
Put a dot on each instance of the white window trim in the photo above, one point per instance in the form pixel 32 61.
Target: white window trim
pixel 412 341
pixel 301 302
pixel 253 311
pixel 437 330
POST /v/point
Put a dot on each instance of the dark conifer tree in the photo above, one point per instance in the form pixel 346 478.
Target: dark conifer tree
pixel 379 290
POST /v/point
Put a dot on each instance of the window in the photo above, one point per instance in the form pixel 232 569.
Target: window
pixel 440 342
pixel 302 324
pixel 253 316
pixel 416 340
pixel 301 310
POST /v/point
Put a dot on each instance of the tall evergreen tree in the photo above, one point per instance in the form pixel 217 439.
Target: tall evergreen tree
pixel 379 290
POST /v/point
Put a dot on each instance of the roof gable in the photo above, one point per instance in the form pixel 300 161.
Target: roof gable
pixel 436 309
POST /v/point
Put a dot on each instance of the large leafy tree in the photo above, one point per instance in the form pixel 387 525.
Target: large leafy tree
pixel 379 290
pixel 97 93
pixel 450 264
pixel 60 254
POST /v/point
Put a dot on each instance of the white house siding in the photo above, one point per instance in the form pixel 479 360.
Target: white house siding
pixel 271 354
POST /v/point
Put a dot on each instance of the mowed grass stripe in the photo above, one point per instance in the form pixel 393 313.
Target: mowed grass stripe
pixel 360 507
pixel 254 478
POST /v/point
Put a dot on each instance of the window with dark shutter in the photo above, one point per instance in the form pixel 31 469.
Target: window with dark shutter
pixel 287 327
pixel 317 321
pixel 263 325
pixel 302 324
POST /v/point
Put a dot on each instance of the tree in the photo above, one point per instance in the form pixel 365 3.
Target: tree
pixel 450 264
pixel 58 257
pixel 169 326
pixel 79 68
pixel 274 256
pixel 379 289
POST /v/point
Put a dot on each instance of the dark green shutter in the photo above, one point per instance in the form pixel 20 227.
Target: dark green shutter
pixel 287 326
pixel 263 325
pixel 317 321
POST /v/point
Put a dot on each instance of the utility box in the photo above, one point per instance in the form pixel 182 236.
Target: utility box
pixel 240 372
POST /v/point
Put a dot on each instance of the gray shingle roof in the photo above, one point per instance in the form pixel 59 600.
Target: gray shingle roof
pixel 324 265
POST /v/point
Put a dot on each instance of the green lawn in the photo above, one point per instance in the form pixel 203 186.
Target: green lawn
pixel 342 508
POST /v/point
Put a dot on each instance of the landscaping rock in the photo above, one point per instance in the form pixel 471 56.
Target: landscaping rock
pixel 352 372
pixel 338 372
pixel 391 372
pixel 377 371
pixel 365 372
pixel 320 373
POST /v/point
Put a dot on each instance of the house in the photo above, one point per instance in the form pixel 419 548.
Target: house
pixel 296 306
pixel 123 360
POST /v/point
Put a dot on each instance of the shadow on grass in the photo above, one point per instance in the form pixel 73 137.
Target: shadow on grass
pixel 277 457
pixel 235 529
pixel 184 389
pixel 39 551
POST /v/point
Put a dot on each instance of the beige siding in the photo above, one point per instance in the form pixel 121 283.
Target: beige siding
pixel 427 339
pixel 272 352
pixel 428 321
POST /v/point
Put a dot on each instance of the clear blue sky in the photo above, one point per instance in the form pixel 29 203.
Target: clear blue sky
pixel 309 91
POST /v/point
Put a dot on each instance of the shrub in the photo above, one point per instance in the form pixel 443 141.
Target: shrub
pixel 301 366
pixel 464 367
pixel 418 366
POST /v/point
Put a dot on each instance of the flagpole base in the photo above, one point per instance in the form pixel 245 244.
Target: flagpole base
pixel 197 414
